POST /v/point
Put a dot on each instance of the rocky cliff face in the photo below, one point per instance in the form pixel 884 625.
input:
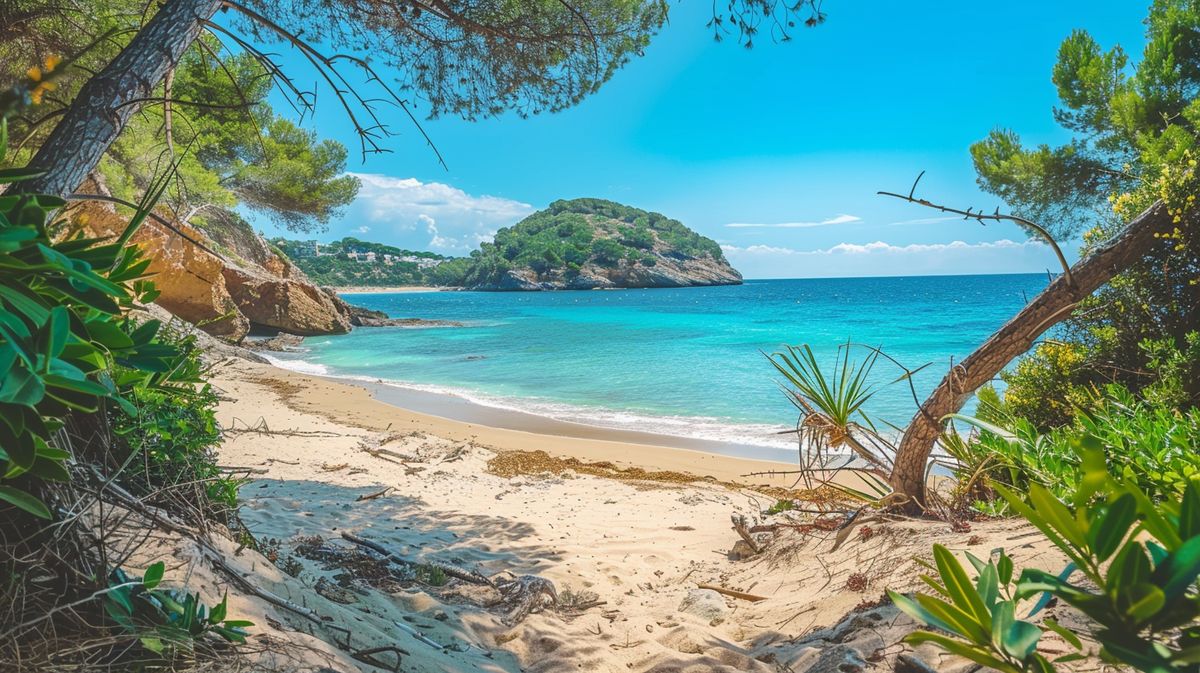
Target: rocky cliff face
pixel 245 286
pixel 666 272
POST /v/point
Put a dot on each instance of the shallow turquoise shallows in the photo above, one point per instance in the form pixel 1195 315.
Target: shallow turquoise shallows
pixel 686 362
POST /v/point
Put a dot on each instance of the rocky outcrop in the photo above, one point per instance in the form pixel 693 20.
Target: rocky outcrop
pixel 666 272
pixel 237 285
pixel 274 304
pixel 365 317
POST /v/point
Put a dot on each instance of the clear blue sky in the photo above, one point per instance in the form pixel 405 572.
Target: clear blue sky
pixel 802 133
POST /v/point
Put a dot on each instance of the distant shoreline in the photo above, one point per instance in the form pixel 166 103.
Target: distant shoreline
pixel 385 289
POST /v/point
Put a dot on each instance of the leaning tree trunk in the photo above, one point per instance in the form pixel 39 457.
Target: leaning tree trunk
pixel 107 100
pixel 1015 338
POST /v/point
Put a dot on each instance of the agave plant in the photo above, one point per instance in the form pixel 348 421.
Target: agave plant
pixel 832 412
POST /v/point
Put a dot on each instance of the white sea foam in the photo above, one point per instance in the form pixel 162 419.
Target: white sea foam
pixel 301 366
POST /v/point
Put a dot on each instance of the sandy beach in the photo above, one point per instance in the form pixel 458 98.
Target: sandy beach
pixel 629 534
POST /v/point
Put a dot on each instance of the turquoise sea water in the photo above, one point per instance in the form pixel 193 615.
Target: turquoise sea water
pixel 675 361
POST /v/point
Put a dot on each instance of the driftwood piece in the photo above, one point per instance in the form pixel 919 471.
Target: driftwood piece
pixel 743 529
pixel 524 595
pixel 247 470
pixel 730 592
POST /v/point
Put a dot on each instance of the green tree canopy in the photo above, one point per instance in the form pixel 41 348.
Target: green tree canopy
pixel 1135 137
pixel 232 148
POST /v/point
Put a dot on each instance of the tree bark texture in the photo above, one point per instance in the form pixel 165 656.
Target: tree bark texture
pixel 107 100
pixel 1016 337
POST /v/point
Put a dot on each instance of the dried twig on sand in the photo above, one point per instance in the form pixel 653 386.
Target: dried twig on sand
pixel 735 594
pixel 468 576
pixel 262 428
pixel 368 657
pixel 743 529
pixel 372 496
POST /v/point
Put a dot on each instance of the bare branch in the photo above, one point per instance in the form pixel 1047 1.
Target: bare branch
pixel 980 216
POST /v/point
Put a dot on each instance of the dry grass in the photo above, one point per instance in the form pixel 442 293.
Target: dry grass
pixel 509 464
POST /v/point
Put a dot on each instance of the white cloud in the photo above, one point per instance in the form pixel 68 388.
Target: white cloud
pixel 361 230
pixel 880 247
pixel 885 259
pixel 926 220
pixel 415 214
pixel 838 219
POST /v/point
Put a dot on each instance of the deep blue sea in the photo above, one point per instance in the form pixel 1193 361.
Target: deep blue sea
pixel 684 362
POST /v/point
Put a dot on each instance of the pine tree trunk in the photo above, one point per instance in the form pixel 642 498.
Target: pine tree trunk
pixel 1016 337
pixel 107 100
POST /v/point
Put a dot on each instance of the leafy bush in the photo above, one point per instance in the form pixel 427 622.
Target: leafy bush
pixel 62 334
pixel 1153 446
pixel 170 434
pixel 1139 559
pixel 167 621
pixel 1049 384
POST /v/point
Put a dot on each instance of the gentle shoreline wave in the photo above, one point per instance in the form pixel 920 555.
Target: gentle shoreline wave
pixel 688 427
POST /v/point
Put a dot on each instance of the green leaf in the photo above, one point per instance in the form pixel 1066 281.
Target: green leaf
pixel 22 386
pixel 962 622
pixel 982 425
pixel 107 334
pixel 1056 515
pixel 55 332
pixel 25 305
pixel 1072 639
pixel 154 575
pixel 1180 570
pixel 1131 566
pixel 975 654
pixel 1189 511
pixel 913 609
pixel 960 588
pixel 1004 568
pixel 218 611
pixel 1021 639
pixel 1106 533
pixel 49 470
pixel 9 175
pixel 18 498
pixel 1145 600
pixel 153 644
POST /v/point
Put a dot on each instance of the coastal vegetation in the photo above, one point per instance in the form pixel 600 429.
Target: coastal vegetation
pixel 575 244
pixel 1094 440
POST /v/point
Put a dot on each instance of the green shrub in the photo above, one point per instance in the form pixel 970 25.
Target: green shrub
pixel 1049 384
pixel 61 336
pixel 168 440
pixel 1153 446
pixel 167 621
pixel 1139 560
